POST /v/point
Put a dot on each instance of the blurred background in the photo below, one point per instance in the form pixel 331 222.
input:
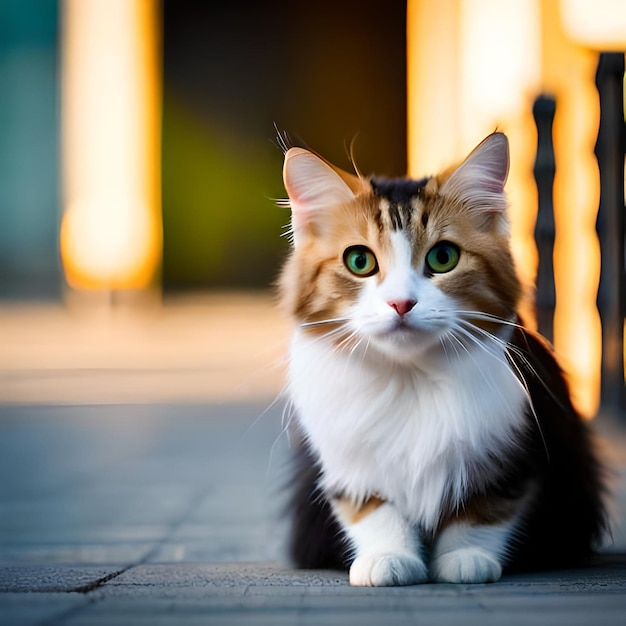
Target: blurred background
pixel 139 168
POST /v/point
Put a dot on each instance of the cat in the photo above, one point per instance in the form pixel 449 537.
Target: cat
pixel 438 440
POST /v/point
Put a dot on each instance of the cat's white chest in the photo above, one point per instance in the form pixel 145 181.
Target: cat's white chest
pixel 413 436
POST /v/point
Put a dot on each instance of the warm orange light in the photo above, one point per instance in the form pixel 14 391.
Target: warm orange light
pixel 478 65
pixel 500 60
pixel 569 74
pixel 111 229
pixel 474 66
pixel 600 25
pixel 432 86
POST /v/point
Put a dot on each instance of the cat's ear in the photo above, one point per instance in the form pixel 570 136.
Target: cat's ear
pixel 479 181
pixel 312 185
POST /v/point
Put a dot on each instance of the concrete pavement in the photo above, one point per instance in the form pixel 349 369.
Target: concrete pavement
pixel 172 514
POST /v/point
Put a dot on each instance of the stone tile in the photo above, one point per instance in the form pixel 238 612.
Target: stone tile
pixel 262 593
pixel 265 593
pixel 608 577
pixel 75 553
pixel 34 608
pixel 225 575
pixel 52 578
pixel 187 501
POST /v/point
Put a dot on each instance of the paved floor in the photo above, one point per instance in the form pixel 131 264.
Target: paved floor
pixel 171 514
pixel 121 503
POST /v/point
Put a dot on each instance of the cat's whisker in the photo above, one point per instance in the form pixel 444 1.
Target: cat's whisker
pixel 350 342
pixel 340 338
pixel 507 345
pixel 356 345
pixel 367 346
pixel 459 342
pixel 334 320
pixel 499 340
pixel 489 317
pixel 288 234
pixel 473 340
pixel 335 330
pixel 451 336
pixel 345 343
pixel 515 370
pixel 490 337
pixel 288 415
pixel 532 407
pixel 511 350
pixel 442 341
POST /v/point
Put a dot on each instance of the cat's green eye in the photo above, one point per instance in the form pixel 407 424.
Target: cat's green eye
pixel 443 257
pixel 360 261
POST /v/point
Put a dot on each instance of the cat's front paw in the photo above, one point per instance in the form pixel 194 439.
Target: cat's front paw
pixel 466 565
pixel 387 570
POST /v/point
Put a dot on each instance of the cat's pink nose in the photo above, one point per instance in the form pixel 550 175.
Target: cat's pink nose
pixel 402 307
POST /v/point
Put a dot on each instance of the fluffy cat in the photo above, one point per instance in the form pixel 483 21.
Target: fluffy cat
pixel 438 440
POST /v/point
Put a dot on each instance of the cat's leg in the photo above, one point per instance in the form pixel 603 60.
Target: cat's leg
pixel 471 553
pixel 387 548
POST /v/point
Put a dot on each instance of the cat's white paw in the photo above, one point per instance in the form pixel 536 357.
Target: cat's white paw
pixel 387 570
pixel 466 565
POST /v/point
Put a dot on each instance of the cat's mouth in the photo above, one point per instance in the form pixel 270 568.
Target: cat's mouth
pixel 401 333
pixel 403 329
pixel 400 322
pixel 402 340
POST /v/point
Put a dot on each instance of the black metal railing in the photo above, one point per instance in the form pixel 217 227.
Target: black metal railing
pixel 544 169
pixel 610 226
pixel 610 149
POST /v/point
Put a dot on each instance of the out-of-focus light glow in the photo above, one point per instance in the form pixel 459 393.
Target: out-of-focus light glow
pixel 111 233
pixel 500 62
pixel 569 74
pixel 108 242
pixel 477 65
pixel 474 66
pixel 432 86
pixel 597 24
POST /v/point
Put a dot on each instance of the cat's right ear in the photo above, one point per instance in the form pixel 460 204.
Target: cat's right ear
pixel 312 185
pixel 479 181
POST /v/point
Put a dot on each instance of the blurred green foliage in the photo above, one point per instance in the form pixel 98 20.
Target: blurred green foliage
pixel 222 227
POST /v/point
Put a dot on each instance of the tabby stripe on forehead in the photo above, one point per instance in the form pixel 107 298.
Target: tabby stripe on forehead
pixel 395 216
pixel 377 214
pixel 399 216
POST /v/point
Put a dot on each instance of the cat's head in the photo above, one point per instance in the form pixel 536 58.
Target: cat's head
pixel 399 265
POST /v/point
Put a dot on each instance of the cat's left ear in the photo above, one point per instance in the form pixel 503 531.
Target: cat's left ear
pixel 479 181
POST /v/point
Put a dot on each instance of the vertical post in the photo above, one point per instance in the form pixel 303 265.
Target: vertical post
pixel 111 232
pixel 610 226
pixel 545 299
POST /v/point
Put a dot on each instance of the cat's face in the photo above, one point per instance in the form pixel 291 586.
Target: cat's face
pixel 401 267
